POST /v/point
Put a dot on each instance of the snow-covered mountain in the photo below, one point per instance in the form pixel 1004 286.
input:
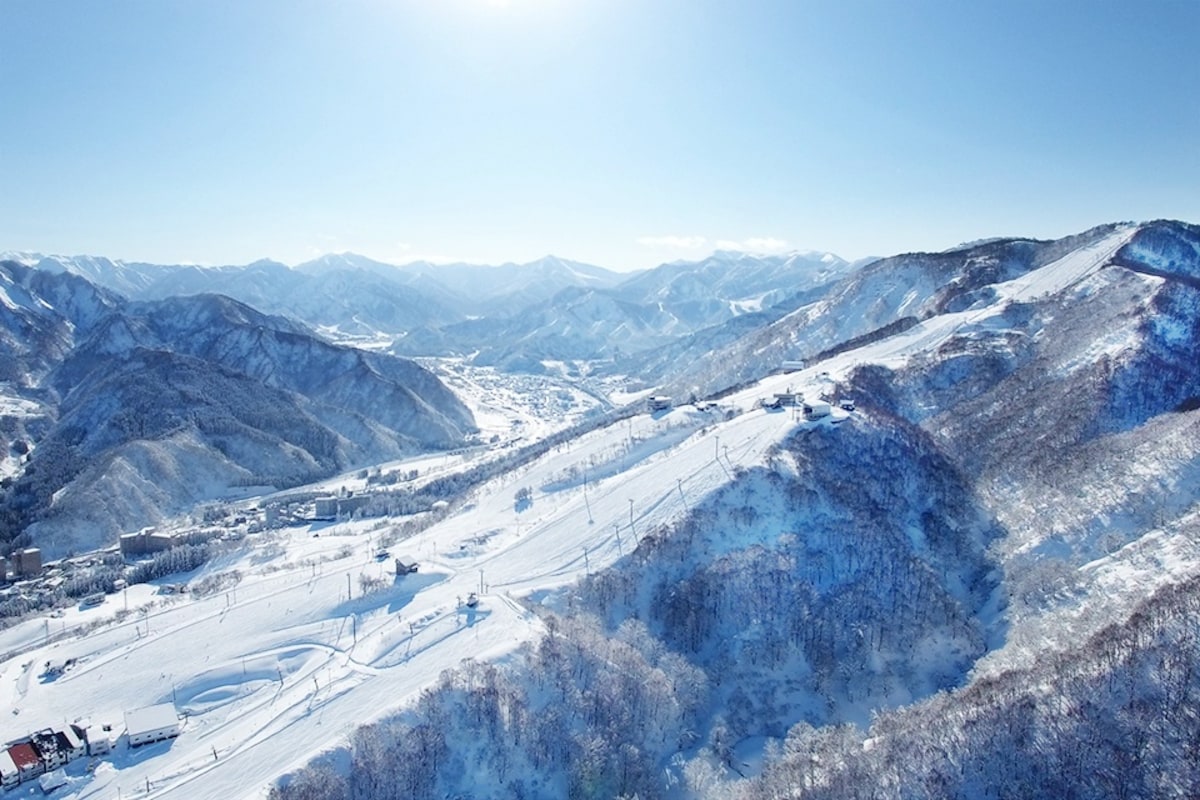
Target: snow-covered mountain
pixel 507 289
pixel 994 556
pixel 711 291
pixel 512 315
pixel 42 315
pixel 880 298
pixel 120 412
pixel 346 293
pixel 652 309
pixel 981 581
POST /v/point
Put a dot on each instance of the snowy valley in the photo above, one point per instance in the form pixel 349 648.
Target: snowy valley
pixel 924 526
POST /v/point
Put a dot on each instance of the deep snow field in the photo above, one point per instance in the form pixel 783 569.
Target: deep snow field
pixel 292 653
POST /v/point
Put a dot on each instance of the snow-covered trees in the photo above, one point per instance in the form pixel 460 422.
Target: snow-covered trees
pixel 784 597
pixel 1115 719
pixel 584 715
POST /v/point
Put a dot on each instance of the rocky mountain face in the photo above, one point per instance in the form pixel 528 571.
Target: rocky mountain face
pixel 119 412
pixel 42 315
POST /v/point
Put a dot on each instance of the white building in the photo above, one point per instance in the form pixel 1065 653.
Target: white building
pixel 151 724
pixel 9 774
pixel 325 508
pixel 99 739
pixel 72 741
pixel 817 409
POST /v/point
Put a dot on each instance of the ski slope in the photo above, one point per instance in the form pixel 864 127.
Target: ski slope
pixel 273 670
pixel 286 660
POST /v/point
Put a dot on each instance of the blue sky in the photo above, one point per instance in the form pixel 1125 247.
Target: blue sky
pixel 620 132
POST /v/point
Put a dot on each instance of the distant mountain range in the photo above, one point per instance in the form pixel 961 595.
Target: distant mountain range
pixel 514 316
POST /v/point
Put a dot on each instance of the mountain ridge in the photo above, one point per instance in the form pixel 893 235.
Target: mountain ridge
pixel 222 381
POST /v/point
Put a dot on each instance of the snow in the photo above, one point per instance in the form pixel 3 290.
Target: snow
pixel 7 301
pixel 275 669
pixel 13 406
pixel 1066 271
pixel 1109 344
pixel 1054 278
pixel 286 662
pixel 1108 590
pixel 21 257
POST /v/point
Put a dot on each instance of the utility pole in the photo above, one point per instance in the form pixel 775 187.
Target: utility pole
pixel 481 581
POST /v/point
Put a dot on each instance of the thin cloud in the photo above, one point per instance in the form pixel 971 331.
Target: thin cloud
pixel 674 242
pixel 755 244
pixel 766 244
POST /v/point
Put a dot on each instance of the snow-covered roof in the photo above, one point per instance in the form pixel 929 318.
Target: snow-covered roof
pixel 71 737
pixel 7 765
pixel 52 780
pixel 150 718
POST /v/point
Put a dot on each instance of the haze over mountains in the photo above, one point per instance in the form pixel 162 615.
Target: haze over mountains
pixel 548 309
pixel 979 582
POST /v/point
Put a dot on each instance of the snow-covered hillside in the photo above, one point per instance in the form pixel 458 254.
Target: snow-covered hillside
pixel 293 653
pixel 121 413
pixel 875 300
pixel 989 557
